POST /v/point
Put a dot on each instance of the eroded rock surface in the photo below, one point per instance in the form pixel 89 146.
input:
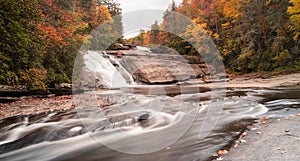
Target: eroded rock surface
pixel 114 69
pixel 154 68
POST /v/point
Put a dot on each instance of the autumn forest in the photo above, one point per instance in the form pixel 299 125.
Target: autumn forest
pixel 41 38
pixel 251 35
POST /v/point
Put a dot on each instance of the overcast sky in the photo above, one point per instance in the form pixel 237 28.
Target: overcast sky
pixel 138 14
pixel 132 5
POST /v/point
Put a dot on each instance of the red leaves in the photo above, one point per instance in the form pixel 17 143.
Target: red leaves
pixel 222 152
pixel 58 25
pixel 36 105
pixel 53 36
pixel 49 2
pixel 243 134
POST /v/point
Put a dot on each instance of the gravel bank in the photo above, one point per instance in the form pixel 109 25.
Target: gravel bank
pixel 269 140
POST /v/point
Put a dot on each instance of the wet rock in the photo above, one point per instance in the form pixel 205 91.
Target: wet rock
pixel 40 92
pixel 64 85
pixel 151 68
pixel 152 74
pixel 14 93
pixel 199 70
pixel 123 47
pixel 143 118
pixel 9 99
pixel 61 91
pixel 193 59
pixel 144 67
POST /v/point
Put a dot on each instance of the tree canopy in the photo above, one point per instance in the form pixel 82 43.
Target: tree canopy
pixel 40 38
pixel 251 35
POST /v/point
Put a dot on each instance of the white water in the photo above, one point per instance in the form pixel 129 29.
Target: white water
pixel 105 73
pixel 65 136
pixel 118 135
pixel 126 75
pixel 141 48
pixel 16 133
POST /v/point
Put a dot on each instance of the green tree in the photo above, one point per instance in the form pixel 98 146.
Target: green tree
pixel 263 33
pixel 154 33
pixel 173 25
pixel 19 46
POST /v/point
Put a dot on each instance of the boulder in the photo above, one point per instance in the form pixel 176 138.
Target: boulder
pixel 154 68
pixel 143 118
pixel 153 74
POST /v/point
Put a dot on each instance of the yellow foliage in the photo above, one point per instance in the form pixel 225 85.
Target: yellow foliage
pixel 100 15
pixel 197 35
pixel 225 25
pixel 103 14
pixel 295 15
pixel 231 9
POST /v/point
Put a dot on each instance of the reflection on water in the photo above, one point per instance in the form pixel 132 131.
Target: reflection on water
pixel 142 127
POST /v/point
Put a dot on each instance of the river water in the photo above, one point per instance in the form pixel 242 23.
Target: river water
pixel 143 127
pixel 146 122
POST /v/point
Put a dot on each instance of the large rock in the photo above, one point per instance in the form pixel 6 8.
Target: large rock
pixel 113 69
pixel 154 74
pixel 154 68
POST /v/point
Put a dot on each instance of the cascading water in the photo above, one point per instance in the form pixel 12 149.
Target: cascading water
pixel 126 75
pixel 107 71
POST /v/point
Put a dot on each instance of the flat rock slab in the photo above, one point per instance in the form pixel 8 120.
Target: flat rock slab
pixel 291 80
pixel 278 140
pixel 153 68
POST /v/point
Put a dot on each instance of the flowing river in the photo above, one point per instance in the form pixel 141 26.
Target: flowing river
pixel 145 123
pixel 176 131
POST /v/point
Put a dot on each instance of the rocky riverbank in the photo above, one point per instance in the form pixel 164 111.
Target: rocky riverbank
pixel 264 81
pixel 268 139
pixel 10 94
pixel 35 106
pixel 32 106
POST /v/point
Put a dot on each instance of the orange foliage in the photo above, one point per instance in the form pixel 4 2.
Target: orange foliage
pixel 146 38
pixel 58 26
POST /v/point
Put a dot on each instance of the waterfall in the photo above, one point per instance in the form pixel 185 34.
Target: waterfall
pixel 128 77
pixel 106 70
